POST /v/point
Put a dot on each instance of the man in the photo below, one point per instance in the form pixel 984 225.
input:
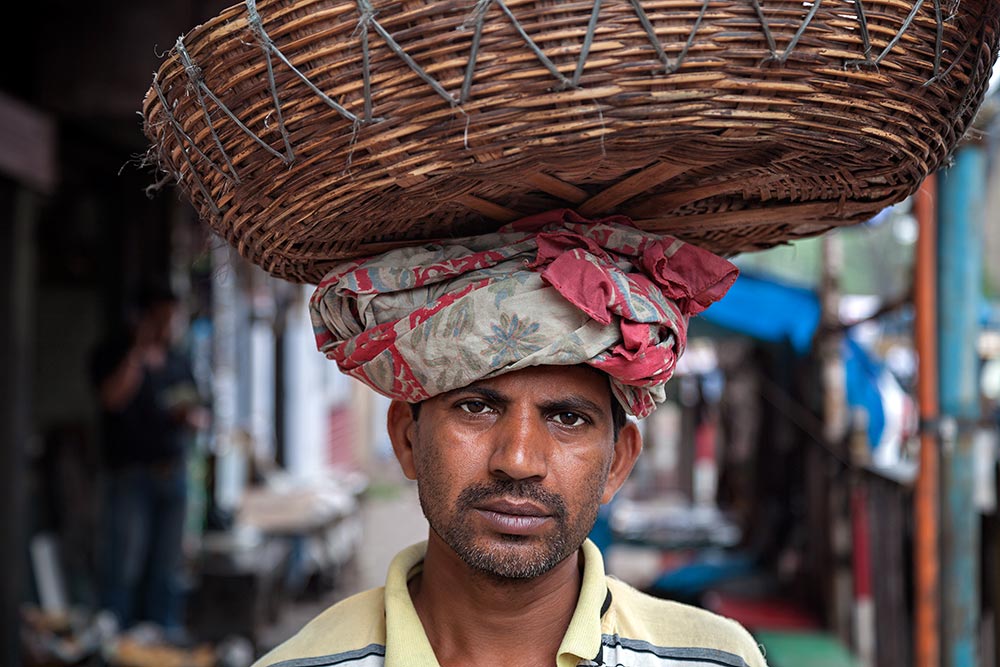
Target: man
pixel 149 409
pixel 512 359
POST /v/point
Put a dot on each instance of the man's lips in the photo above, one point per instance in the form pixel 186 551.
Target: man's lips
pixel 522 508
pixel 513 518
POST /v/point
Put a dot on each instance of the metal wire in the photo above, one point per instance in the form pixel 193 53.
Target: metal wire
pixel 253 18
pixel 194 75
pixel 798 33
pixel 587 43
pixel 366 11
pixel 181 137
pixel 895 40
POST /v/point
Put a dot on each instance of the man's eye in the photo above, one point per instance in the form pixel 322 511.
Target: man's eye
pixel 570 419
pixel 474 407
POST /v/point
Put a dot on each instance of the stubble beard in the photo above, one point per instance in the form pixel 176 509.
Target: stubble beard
pixel 517 557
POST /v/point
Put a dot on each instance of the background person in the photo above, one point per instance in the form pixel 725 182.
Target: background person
pixel 150 408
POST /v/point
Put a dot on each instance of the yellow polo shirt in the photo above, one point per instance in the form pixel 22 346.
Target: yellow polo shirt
pixel 613 625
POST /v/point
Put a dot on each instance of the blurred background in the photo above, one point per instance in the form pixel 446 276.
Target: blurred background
pixel 780 484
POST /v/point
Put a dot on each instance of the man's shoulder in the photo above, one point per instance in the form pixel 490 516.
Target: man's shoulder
pixel 351 633
pixel 652 625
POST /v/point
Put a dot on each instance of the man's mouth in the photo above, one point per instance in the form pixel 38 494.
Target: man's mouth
pixel 514 507
pixel 510 517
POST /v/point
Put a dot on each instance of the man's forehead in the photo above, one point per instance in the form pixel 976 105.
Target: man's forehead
pixel 549 380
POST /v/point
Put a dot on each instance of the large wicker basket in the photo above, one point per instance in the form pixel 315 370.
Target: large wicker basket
pixel 308 131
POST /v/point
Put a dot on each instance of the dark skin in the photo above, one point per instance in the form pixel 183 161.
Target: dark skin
pixel 547 428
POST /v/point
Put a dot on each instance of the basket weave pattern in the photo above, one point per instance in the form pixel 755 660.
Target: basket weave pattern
pixel 309 131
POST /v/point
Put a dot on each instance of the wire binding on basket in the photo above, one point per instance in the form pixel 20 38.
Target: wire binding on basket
pixel 741 138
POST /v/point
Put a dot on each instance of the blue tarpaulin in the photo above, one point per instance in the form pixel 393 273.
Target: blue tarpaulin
pixel 768 310
pixel 773 311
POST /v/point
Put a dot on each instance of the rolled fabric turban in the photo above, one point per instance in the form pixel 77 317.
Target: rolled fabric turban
pixel 551 289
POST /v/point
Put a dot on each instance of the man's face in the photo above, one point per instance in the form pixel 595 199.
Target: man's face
pixel 160 320
pixel 511 470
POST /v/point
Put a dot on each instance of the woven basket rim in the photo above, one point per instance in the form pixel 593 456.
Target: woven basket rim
pixel 282 119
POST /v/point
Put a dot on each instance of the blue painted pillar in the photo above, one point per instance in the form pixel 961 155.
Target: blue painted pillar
pixel 960 267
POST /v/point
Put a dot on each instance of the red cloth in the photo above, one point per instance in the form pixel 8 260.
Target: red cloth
pixel 554 288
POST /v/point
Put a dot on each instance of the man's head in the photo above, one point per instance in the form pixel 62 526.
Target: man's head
pixel 156 308
pixel 517 344
pixel 511 470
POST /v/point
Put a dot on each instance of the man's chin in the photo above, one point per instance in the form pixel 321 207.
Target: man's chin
pixel 510 570
pixel 511 557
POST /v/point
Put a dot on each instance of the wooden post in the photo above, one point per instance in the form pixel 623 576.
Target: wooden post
pixel 927 566
pixel 960 270
pixel 835 425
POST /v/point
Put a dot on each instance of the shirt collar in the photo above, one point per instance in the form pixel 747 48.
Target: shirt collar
pixel 406 643
pixel 583 636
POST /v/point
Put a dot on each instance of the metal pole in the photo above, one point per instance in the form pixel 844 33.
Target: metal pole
pixel 927 564
pixel 961 213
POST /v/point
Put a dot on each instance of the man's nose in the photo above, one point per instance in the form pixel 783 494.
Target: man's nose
pixel 520 447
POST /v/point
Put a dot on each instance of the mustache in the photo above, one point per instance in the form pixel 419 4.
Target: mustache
pixel 513 489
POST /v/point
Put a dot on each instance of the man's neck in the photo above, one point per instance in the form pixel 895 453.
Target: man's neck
pixel 473 618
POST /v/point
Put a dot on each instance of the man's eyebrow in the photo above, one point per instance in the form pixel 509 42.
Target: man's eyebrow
pixel 574 403
pixel 491 395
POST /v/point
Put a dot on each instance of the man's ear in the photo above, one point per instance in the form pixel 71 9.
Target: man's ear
pixel 402 429
pixel 627 449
